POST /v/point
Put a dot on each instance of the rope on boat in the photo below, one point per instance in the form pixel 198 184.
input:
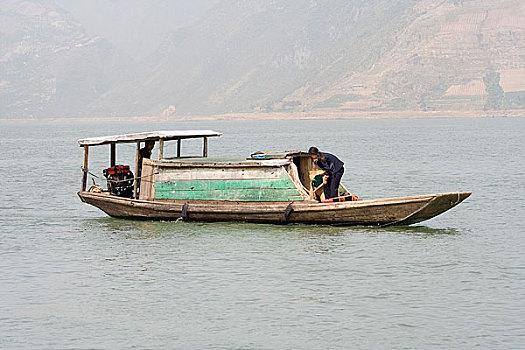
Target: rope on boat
pixel 459 197
pixel 89 172
pixel 136 178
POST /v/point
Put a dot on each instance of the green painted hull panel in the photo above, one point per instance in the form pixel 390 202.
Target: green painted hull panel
pixel 262 195
pixel 263 190
pixel 206 185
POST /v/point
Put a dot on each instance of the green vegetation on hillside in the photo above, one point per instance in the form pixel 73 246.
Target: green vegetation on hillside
pixel 494 91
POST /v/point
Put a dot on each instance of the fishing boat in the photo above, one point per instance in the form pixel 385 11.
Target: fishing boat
pixel 278 188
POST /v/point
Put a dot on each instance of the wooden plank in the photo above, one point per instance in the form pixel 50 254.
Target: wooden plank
pixel 205 185
pixel 268 189
pixel 193 163
pixel 306 165
pixel 293 173
pixel 167 174
pixel 85 168
pixel 147 182
pixel 161 149
pixel 264 194
pixel 137 157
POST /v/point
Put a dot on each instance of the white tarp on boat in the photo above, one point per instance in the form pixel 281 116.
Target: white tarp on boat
pixel 145 136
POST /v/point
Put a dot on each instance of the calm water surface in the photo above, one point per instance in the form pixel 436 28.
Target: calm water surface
pixel 73 278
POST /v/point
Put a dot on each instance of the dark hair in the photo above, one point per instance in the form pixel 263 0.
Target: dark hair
pixel 313 150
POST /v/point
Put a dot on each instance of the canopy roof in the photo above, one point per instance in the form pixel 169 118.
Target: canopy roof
pixel 148 136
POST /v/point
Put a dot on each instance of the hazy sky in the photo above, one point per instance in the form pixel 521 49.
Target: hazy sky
pixel 135 26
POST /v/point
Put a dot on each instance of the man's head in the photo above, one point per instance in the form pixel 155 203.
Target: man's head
pixel 150 144
pixel 314 152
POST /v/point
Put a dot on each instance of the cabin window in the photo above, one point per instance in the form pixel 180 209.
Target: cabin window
pixel 186 148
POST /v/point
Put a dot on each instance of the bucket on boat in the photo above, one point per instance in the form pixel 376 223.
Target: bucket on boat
pixel 317 180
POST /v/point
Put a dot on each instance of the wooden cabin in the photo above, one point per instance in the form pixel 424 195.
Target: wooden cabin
pixel 261 177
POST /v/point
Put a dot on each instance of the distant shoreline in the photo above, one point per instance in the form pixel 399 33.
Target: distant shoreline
pixel 287 116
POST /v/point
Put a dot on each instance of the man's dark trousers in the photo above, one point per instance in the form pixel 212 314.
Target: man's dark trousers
pixel 331 189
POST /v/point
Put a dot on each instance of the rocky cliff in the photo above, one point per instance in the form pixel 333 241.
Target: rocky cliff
pixel 48 65
pixel 280 55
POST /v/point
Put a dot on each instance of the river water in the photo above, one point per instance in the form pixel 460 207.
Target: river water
pixel 73 278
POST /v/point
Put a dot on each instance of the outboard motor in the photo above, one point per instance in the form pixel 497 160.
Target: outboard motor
pixel 120 180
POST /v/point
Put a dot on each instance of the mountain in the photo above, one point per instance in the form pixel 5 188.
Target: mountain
pixel 48 65
pixel 247 55
pixel 334 55
pixel 278 55
pixel 443 60
pixel 135 27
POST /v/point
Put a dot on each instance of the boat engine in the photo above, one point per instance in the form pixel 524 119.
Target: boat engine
pixel 120 180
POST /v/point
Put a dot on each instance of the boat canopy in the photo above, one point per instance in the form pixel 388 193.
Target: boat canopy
pixel 148 136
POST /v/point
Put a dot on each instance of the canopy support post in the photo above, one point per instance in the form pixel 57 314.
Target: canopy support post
pixel 161 149
pixel 113 154
pixel 205 148
pixel 178 148
pixel 137 178
pixel 85 168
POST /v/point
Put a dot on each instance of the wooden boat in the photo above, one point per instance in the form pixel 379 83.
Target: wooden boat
pixel 264 188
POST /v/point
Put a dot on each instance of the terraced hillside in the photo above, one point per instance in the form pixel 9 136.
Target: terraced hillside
pixel 338 55
pixel 280 55
pixel 440 61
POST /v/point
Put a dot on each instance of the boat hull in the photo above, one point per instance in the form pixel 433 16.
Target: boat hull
pixel 378 212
